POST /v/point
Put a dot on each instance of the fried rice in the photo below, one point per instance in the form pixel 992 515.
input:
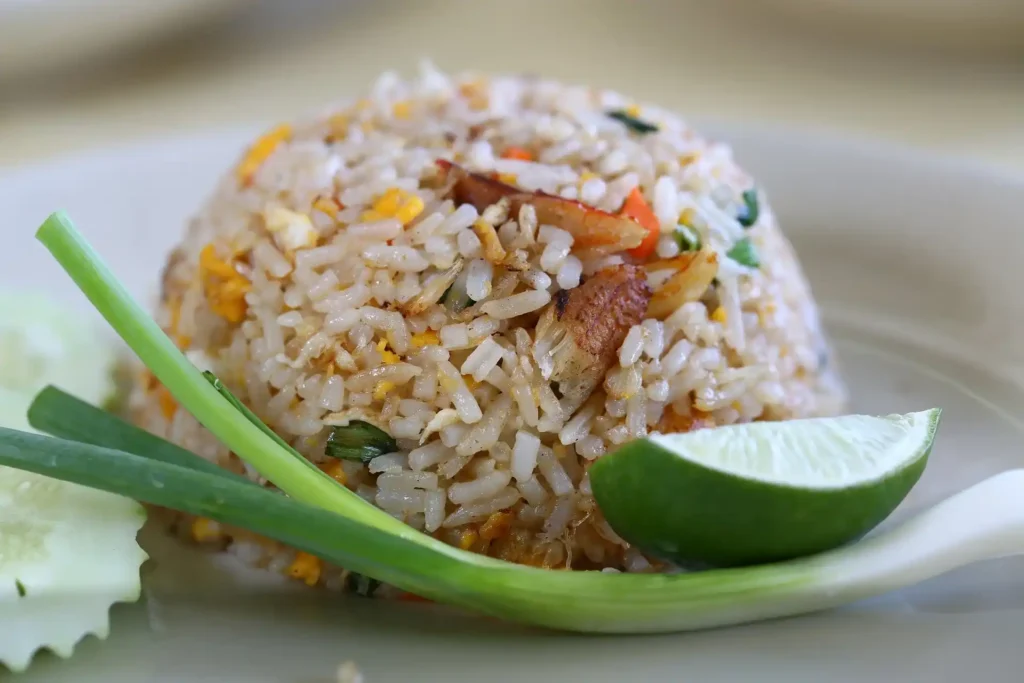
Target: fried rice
pixel 509 277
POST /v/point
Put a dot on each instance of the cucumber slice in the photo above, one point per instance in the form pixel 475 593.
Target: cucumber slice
pixel 43 343
pixel 67 553
pixel 764 491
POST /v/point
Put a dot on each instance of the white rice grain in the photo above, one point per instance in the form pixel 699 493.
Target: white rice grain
pixel 390 462
pixel 524 455
pixel 482 360
pixel 478 279
pixel 455 388
pixel 632 346
pixel 434 510
pixel 462 493
pixel 429 455
pixel 569 273
pixel 532 490
pixel 455 336
pixel 480 511
pixel 487 430
pixel 553 472
pixel 402 259
pixel 516 305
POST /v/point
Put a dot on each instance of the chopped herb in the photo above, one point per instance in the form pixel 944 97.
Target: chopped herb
pixel 634 124
pixel 687 238
pixel 361 585
pixel 455 298
pixel 561 301
pixel 751 208
pixel 745 253
pixel 359 440
pixel 20 587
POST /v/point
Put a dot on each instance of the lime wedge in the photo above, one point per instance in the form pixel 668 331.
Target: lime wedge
pixel 67 553
pixel 763 491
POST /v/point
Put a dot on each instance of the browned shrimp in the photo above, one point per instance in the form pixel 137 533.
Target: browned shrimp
pixel 591 228
pixel 584 327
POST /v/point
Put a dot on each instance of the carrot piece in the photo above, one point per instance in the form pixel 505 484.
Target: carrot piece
pixel 636 207
pixel 517 153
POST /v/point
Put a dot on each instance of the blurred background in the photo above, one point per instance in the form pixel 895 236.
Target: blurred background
pixel 947 75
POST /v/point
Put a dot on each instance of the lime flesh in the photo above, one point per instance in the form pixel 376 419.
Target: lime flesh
pixel 764 491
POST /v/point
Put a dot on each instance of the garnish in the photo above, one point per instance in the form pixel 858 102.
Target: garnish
pixel 762 492
pixel 751 208
pixel 359 440
pixel 687 238
pixel 456 299
pixel 312 513
pixel 62 415
pixel 248 414
pixel 67 553
pixel 745 253
pixel 361 585
pixel 634 124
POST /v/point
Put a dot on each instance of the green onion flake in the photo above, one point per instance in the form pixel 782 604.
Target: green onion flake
pixel 361 585
pixel 751 210
pixel 744 252
pixel 634 124
pixel 687 238
pixel 359 440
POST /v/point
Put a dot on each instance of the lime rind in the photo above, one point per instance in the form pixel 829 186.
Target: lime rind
pixel 764 492
pixel 817 453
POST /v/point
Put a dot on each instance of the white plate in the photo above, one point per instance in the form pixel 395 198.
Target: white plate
pixel 37 34
pixel 917 265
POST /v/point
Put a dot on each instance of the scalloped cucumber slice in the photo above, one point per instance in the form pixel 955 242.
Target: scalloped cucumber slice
pixel 67 553
pixel 42 343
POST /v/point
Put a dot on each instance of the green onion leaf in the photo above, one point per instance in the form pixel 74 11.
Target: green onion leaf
pixel 751 210
pixel 744 252
pixel 328 535
pixel 60 414
pixel 578 601
pixel 359 440
pixel 687 238
pixel 456 298
pixel 361 585
pixel 248 414
pixel 634 124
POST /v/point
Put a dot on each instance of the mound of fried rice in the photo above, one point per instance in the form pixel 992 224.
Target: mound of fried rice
pixel 509 277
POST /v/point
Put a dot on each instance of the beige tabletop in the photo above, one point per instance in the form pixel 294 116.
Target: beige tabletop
pixel 724 60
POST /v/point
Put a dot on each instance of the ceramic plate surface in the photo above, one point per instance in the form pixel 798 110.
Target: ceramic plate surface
pixel 916 264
